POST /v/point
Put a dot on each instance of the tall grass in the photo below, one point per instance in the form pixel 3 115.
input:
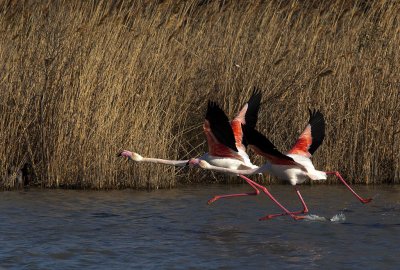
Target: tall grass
pixel 80 80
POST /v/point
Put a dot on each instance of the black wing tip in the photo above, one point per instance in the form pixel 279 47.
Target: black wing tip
pixel 255 100
pixel 315 115
pixel 256 90
pixel 212 104
pixel 253 108
pixel 317 123
pixel 212 108
pixel 316 119
pixel 256 94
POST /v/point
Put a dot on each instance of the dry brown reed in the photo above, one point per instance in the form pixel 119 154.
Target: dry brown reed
pixel 80 80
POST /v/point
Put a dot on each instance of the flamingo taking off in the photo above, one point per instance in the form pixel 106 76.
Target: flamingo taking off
pixel 295 166
pixel 226 145
pixel 225 141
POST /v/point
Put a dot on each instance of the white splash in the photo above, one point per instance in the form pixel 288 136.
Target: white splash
pixel 315 218
pixel 338 218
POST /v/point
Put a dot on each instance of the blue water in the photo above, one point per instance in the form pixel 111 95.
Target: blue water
pixel 176 229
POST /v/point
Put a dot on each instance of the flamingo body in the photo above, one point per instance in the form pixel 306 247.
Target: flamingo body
pixel 243 163
pixel 294 173
pixel 295 166
pixel 226 147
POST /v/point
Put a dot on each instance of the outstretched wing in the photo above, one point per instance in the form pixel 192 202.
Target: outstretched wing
pixel 264 147
pixel 220 138
pixel 312 136
pixel 248 116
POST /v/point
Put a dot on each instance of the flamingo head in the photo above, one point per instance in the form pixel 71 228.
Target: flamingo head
pixel 130 155
pixel 193 162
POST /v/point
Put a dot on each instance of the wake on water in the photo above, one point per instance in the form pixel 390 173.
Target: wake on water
pixel 336 218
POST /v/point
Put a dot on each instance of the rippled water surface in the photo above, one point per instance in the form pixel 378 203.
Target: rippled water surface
pixel 176 229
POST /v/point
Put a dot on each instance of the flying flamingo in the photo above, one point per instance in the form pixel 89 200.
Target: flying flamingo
pixel 295 166
pixel 225 142
pixel 226 145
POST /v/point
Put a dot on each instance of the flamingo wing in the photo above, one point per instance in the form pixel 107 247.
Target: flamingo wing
pixel 248 116
pixel 218 131
pixel 264 147
pixel 312 136
pixel 253 108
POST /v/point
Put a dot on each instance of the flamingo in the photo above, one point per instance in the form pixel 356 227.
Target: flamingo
pixel 226 145
pixel 225 141
pixel 295 166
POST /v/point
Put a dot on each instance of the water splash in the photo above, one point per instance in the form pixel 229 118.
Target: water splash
pixel 315 218
pixel 336 218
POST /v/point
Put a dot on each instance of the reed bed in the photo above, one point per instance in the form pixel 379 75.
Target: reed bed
pixel 80 80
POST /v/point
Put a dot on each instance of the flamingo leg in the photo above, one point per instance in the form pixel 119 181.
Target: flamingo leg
pixel 305 208
pixel 304 211
pixel 250 182
pixel 265 190
pixel 351 190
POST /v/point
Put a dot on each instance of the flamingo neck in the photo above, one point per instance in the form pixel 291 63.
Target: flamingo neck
pixel 178 163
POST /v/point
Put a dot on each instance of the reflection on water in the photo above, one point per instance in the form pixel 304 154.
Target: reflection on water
pixel 176 229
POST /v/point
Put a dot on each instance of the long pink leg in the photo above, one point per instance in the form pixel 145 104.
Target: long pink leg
pixel 351 190
pixel 305 208
pixel 304 211
pixel 265 190
pixel 250 182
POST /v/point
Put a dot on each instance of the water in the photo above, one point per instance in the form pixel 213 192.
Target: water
pixel 176 229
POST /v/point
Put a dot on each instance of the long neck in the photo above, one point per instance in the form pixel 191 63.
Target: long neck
pixel 178 163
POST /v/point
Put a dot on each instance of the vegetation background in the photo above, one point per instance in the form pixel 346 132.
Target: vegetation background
pixel 80 80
